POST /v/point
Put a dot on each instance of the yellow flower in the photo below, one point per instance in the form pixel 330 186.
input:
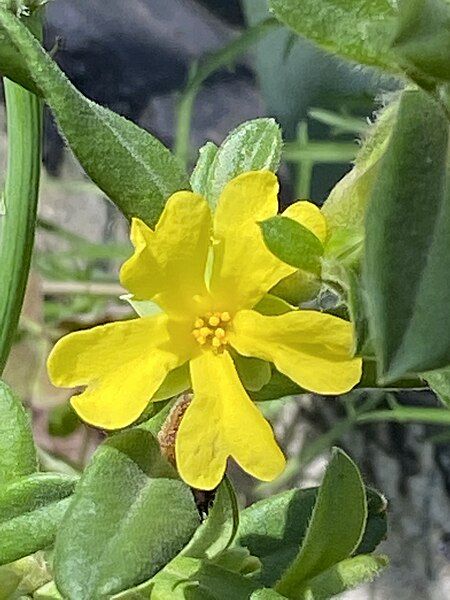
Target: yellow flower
pixel 206 273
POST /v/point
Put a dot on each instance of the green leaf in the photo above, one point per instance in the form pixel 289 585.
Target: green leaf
pixel 344 576
pixel 360 30
pixel 130 516
pixel 357 311
pixel 271 305
pixel 63 420
pixel 218 531
pixel 292 243
pixel 336 526
pixel 11 63
pixel 31 509
pixel 254 373
pixel 279 386
pixel 273 530
pixel 23 576
pixel 439 382
pixel 407 231
pixel 187 577
pixel 17 451
pixel 376 526
pixel 422 41
pixel 17 223
pixel 345 207
pixel 132 167
pixel 266 594
pixel 175 383
pixel 253 146
pixel 47 592
pixel 201 173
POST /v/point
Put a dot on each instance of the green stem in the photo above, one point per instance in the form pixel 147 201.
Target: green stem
pixel 435 416
pixel 201 72
pixel 17 225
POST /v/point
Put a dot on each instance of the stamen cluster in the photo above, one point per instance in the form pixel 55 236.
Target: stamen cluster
pixel 211 330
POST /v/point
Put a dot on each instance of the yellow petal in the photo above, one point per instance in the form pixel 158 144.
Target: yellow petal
pixel 311 348
pixel 243 269
pixel 168 265
pixel 122 364
pixel 309 215
pixel 222 421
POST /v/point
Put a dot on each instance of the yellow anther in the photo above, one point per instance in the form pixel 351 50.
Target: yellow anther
pixel 220 333
pixel 214 321
pixel 205 331
pixel 196 333
pixel 199 323
pixel 216 343
pixel 201 340
pixel 225 317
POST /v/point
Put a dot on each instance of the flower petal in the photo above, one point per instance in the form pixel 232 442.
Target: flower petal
pixel 243 268
pixel 168 265
pixel 309 215
pixel 122 364
pixel 312 348
pixel 220 422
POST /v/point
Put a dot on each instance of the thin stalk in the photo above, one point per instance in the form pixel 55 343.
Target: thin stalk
pixel 17 224
pixel 199 73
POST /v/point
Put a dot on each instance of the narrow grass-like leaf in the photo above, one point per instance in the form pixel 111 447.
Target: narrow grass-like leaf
pixel 407 244
pixel 17 220
pixel 133 168
pixel 17 450
pixel 31 509
pixel 336 527
pixel 130 516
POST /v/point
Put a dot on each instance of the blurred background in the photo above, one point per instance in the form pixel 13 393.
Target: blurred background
pixel 189 71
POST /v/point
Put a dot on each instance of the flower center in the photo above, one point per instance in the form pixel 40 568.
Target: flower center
pixel 211 330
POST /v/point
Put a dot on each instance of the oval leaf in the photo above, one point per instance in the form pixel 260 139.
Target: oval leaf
pixel 17 451
pixel 292 243
pixel 336 526
pixel 407 259
pixel 31 509
pixel 130 516
pixel 360 30
pixel 273 530
pixel 344 576
pixel 201 173
pixel 422 41
pixel 217 533
pixel 134 169
pixel 253 146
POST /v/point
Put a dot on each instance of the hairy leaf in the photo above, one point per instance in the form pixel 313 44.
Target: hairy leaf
pixel 17 451
pixel 336 527
pixel 31 509
pixel 407 235
pixel 359 30
pixel 129 517
pixel 292 243
pixel 132 167
pixel 253 146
